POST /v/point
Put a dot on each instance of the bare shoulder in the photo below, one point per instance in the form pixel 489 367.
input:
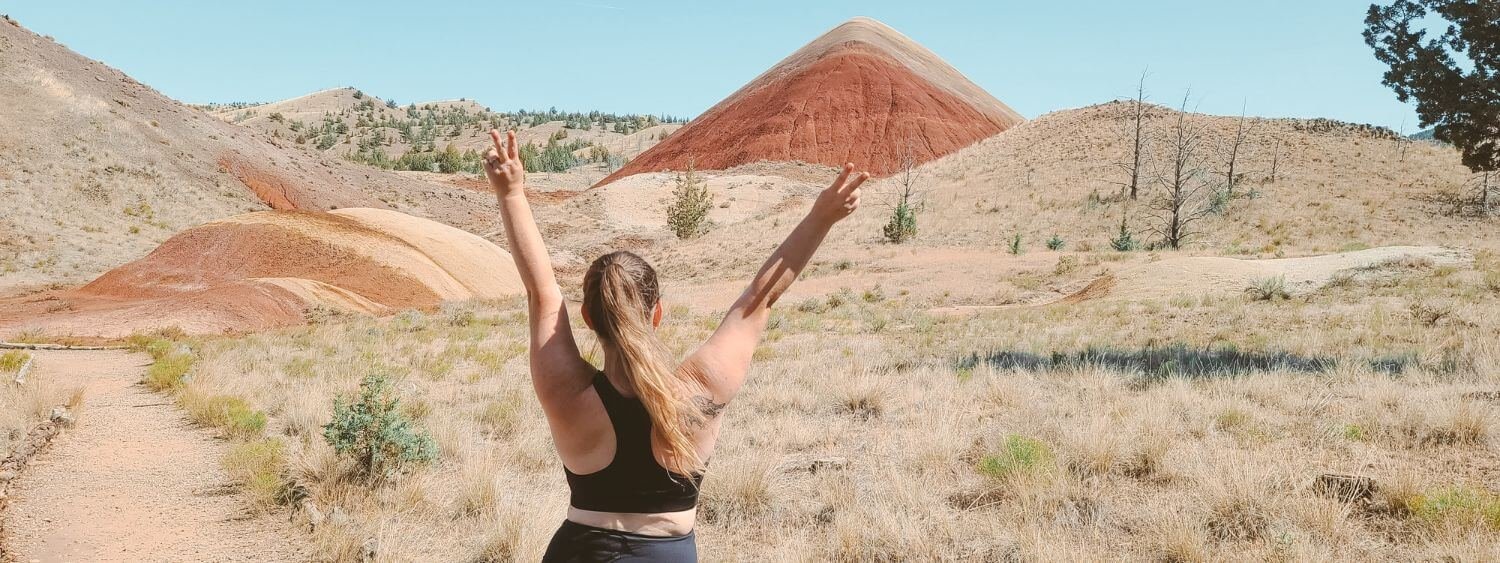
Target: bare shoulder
pixel 562 383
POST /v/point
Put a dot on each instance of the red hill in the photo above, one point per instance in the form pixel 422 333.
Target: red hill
pixel 862 93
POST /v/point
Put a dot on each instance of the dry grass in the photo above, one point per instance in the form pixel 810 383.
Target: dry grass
pixel 24 405
pixel 918 437
pixel 872 432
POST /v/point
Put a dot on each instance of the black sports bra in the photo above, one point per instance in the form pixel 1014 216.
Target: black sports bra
pixel 633 482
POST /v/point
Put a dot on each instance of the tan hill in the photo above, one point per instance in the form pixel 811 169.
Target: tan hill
pixel 273 268
pixel 97 169
pixel 347 122
pixel 861 92
pixel 1339 187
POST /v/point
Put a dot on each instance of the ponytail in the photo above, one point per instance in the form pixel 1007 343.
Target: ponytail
pixel 620 294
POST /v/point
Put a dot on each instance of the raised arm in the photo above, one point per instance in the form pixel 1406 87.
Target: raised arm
pixel 726 355
pixel 556 366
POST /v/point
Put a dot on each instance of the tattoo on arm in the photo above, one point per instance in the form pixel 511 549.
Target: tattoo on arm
pixel 708 406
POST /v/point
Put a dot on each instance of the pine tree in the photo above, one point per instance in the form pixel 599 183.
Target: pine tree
pixel 687 215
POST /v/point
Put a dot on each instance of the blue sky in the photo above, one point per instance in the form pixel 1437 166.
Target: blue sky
pixel 1282 58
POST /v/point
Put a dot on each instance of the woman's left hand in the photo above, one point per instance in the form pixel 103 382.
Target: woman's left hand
pixel 502 165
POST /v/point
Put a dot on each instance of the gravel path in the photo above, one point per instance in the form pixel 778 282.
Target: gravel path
pixel 133 481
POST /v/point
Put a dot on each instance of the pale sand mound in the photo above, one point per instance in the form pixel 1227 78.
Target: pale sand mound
pixel 860 93
pixel 266 269
pixel 1211 275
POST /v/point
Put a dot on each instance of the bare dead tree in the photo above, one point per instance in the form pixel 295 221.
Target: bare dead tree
pixel 1179 203
pixel 1484 193
pixel 1235 149
pixel 903 222
pixel 1275 160
pixel 1401 143
pixel 1135 133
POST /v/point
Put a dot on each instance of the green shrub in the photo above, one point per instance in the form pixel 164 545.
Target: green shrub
pixel 1124 241
pixel 903 224
pixel 1218 201
pixel 1019 455
pixel 1015 244
pixel 1055 243
pixel 687 215
pixel 372 430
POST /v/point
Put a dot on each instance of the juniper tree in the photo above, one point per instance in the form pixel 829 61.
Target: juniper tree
pixel 1459 99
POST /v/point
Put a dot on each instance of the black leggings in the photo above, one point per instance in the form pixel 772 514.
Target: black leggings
pixel 576 542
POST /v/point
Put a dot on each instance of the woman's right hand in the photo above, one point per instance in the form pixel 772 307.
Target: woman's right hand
pixel 841 199
pixel 502 165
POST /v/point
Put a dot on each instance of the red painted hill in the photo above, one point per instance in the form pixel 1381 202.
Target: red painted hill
pixel 861 93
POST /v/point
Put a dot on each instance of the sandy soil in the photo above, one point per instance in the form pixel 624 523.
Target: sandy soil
pixel 1213 275
pixel 133 481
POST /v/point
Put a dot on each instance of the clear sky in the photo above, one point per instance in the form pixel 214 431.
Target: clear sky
pixel 1282 58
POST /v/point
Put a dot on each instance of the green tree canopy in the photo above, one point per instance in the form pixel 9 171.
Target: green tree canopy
pixel 1454 76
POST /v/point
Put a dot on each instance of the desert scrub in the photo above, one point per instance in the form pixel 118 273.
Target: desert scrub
pixel 169 366
pixel 1268 289
pixel 371 429
pixel 231 414
pixel 11 362
pixel 260 466
pixel 1018 456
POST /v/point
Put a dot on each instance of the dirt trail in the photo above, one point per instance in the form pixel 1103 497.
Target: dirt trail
pixel 133 481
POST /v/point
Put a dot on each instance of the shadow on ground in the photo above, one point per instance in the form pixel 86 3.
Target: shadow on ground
pixel 1157 363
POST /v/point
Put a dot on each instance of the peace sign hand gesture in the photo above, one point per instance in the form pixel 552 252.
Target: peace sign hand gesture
pixel 502 165
pixel 840 200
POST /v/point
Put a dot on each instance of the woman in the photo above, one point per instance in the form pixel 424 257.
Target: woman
pixel 635 438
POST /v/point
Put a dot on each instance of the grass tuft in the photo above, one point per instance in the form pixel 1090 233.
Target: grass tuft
pixel 231 414
pixel 1018 456
pixel 260 467
pixel 1268 289
pixel 11 362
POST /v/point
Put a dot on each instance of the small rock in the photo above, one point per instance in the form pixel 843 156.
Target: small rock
pixel 314 516
pixel 61 417
pixel 1345 488
pixel 7 475
pixel 337 517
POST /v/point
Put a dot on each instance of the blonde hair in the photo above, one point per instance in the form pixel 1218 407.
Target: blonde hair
pixel 620 294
